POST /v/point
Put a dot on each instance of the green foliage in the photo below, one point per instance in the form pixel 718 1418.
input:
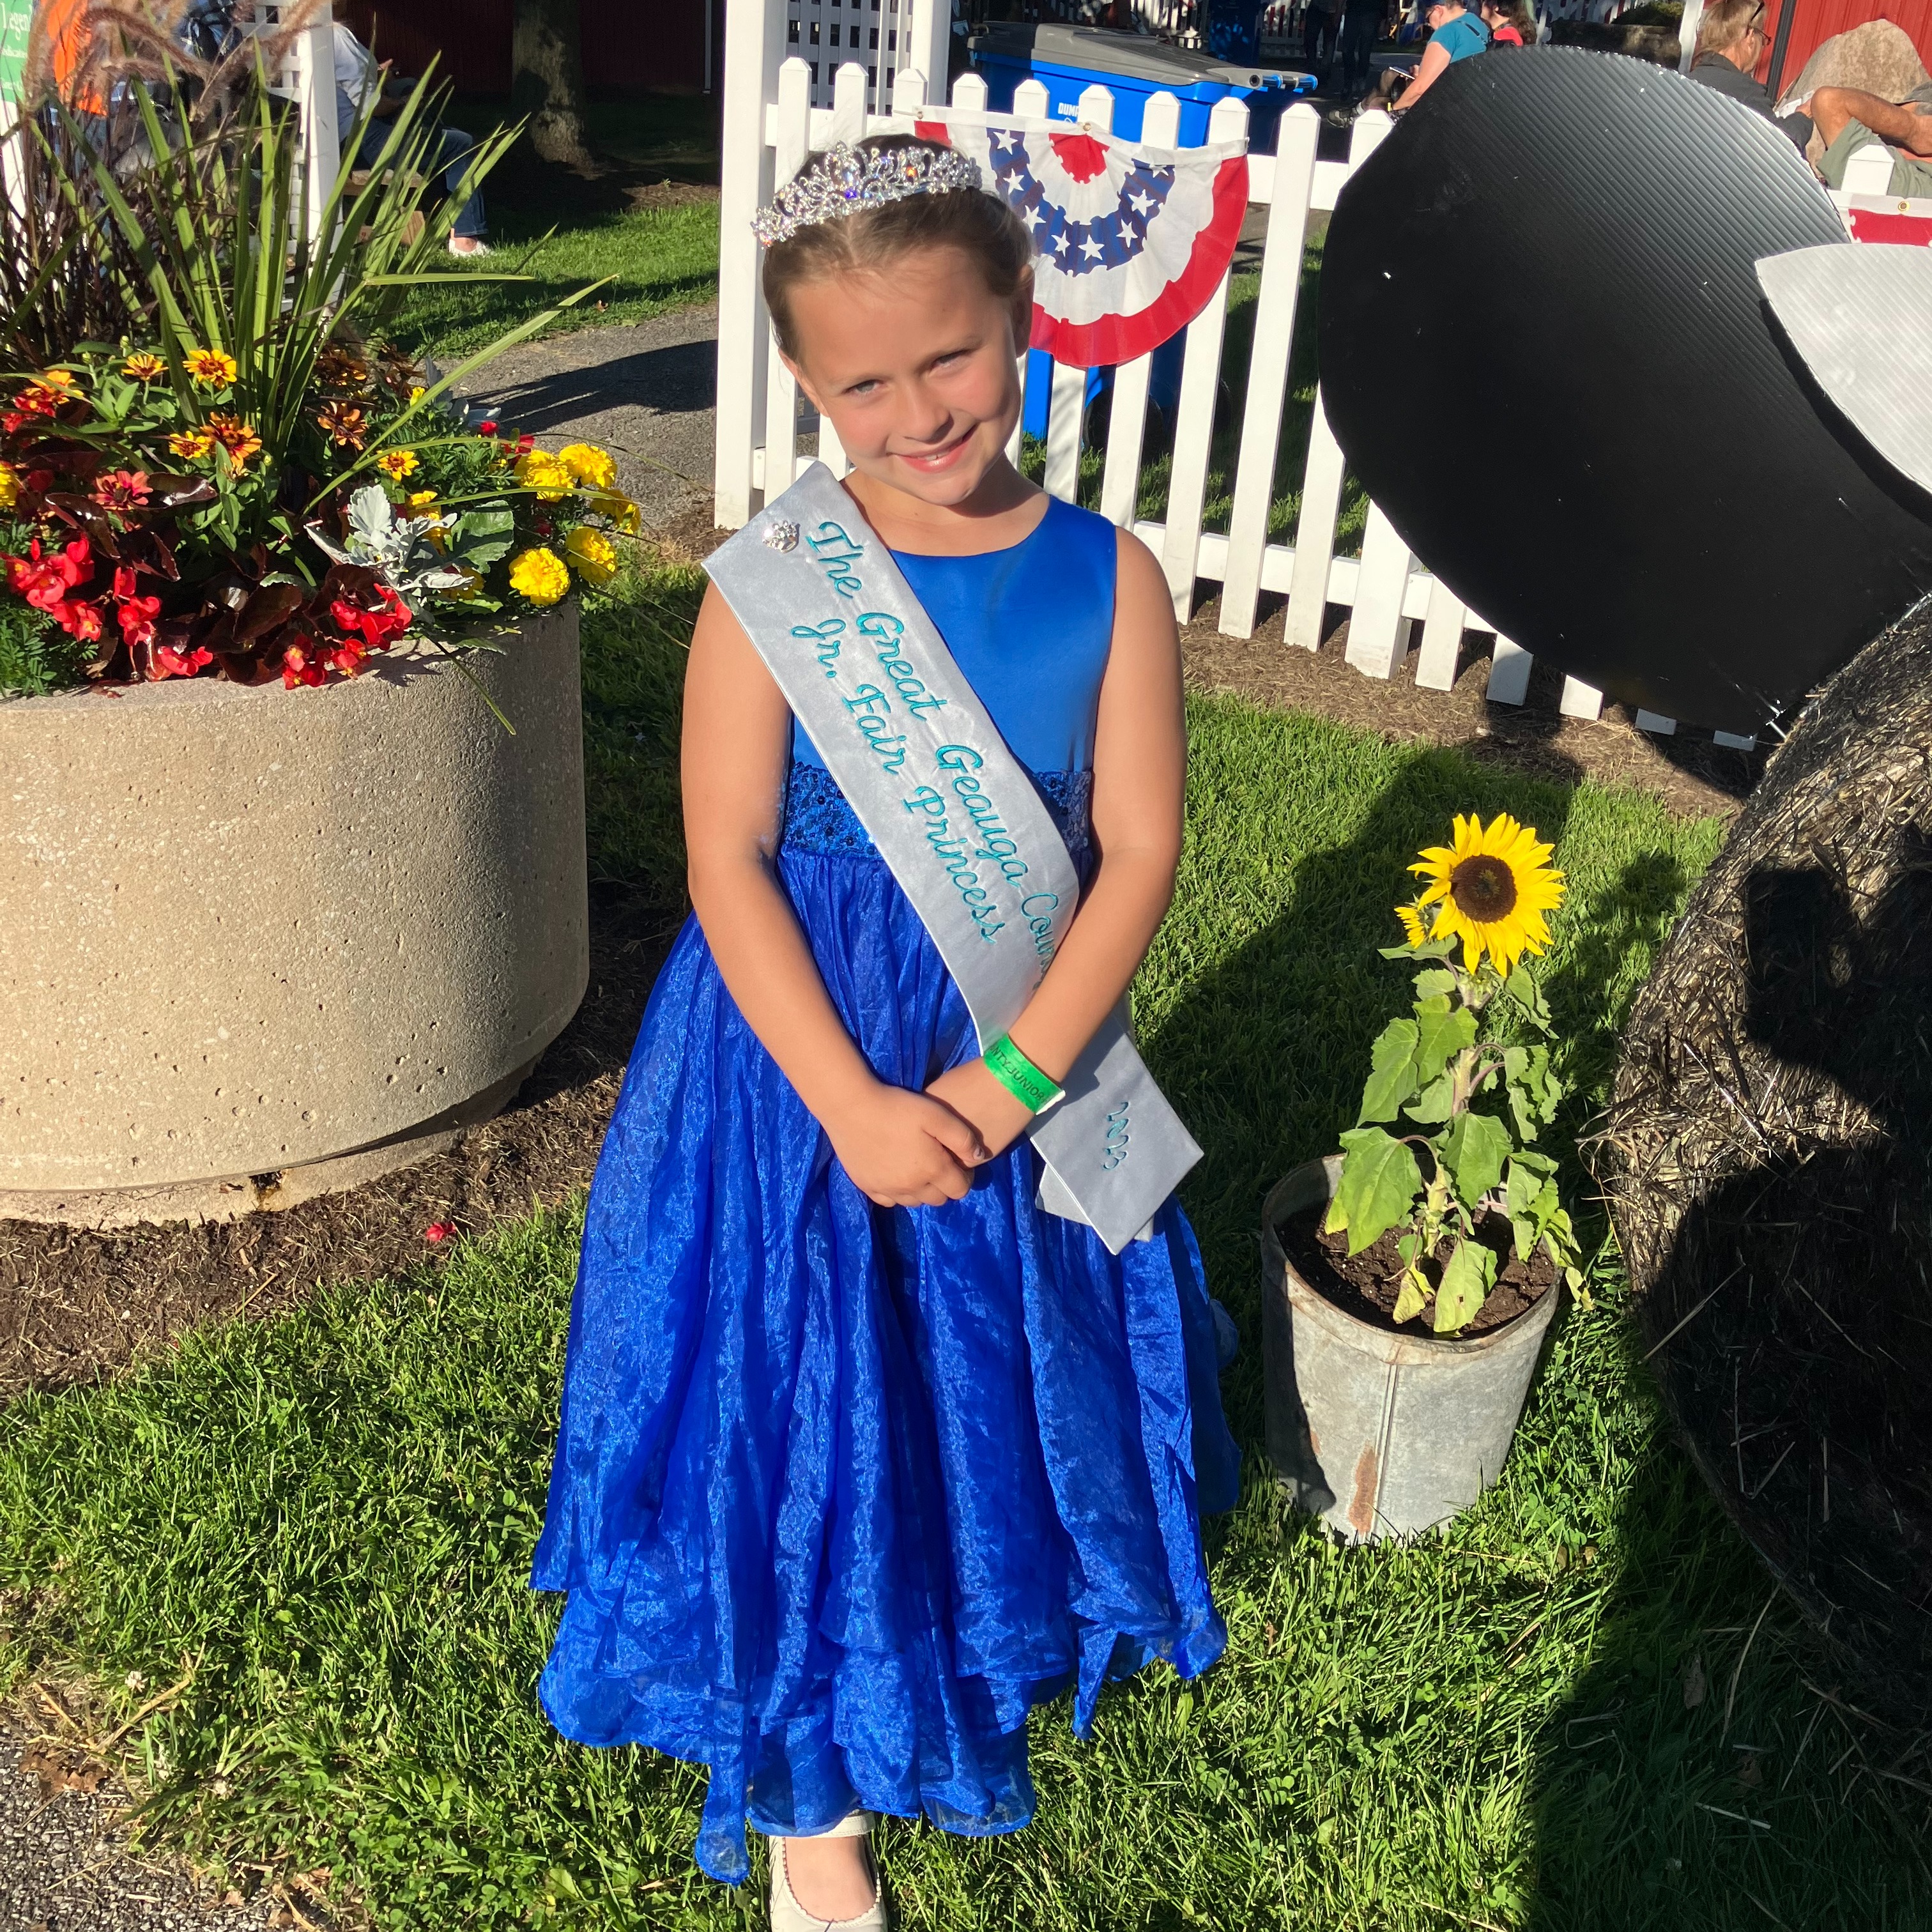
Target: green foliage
pixel 334 1513
pixel 1426 1074
pixel 36 654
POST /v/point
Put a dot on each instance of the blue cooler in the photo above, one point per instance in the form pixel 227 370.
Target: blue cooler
pixel 1067 60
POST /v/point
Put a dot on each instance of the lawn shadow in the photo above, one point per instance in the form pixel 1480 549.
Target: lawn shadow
pixel 1710 1770
pixel 1265 1055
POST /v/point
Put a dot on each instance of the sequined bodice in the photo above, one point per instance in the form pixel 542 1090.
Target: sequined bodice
pixel 818 819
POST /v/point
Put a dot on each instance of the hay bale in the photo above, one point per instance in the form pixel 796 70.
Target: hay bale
pixel 1768 1164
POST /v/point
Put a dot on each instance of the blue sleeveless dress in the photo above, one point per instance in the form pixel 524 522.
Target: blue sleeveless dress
pixel 841 1491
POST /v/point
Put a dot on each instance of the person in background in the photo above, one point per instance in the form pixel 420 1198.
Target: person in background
pixel 1361 22
pixel 1318 39
pixel 1731 38
pixel 1455 33
pixel 1848 120
pixel 1510 23
pixel 358 78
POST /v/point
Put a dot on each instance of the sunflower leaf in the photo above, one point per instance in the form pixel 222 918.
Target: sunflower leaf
pixel 1435 1103
pixel 1413 1293
pixel 1379 1183
pixel 1445 1029
pixel 1437 980
pixel 1522 987
pixel 1474 1150
pixel 1430 948
pixel 1467 1278
pixel 1392 1075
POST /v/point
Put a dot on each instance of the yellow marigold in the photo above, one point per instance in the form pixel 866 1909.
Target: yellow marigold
pixel 592 553
pixel 10 486
pixel 539 575
pixel 417 392
pixel 212 368
pixel 191 443
pixel 144 366
pixel 592 467
pixel 397 463
pixel 623 514
pixel 420 503
pixel 549 476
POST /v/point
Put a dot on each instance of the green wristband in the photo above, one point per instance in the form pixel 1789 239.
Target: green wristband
pixel 1019 1076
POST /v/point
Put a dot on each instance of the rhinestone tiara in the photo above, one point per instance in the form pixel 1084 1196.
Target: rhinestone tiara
pixel 845 179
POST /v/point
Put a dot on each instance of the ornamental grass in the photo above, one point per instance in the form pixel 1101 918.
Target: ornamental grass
pixel 214 461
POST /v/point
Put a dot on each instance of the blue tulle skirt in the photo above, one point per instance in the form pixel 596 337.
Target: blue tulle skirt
pixel 842 1491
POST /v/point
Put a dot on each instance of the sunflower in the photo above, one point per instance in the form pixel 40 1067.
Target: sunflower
pixel 1492 889
pixel 1413 932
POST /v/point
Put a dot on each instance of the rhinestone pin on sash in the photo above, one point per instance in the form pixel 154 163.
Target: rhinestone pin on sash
pixel 845 179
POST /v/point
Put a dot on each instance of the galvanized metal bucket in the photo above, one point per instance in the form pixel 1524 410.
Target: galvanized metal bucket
pixel 1381 1435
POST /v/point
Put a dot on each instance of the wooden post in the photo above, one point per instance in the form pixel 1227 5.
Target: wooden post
pixel 928 44
pixel 754 42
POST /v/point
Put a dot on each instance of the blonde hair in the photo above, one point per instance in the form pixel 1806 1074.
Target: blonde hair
pixel 981 225
pixel 1726 23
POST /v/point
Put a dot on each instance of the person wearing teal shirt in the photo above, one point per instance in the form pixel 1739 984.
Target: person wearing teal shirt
pixel 1454 35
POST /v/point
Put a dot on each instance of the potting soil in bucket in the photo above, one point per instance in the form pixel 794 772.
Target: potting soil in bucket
pixel 1382 1432
pixel 1769 1168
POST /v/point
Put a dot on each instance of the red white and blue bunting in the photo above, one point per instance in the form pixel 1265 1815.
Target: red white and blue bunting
pixel 1131 241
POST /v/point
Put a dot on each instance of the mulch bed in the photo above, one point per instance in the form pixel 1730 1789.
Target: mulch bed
pixel 1690 773
pixel 77 1306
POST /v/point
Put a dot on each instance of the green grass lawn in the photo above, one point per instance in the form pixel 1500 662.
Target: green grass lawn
pixel 563 233
pixel 330 1515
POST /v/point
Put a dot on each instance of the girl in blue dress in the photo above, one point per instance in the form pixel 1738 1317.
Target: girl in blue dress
pixel 863 1452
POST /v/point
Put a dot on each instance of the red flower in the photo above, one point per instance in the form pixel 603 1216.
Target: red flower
pixel 525 444
pixel 299 667
pixel 122 489
pixel 374 628
pixel 137 615
pixel 439 1231
pixel 486 429
pixel 44 579
pixel 179 664
pixel 76 619
pixel 346 658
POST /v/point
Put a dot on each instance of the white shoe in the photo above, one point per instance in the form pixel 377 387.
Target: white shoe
pixel 788 1916
pixel 474 252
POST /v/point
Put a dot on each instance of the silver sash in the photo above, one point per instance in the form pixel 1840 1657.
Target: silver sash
pixel 956 818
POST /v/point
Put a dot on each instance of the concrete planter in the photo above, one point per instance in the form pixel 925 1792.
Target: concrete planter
pixel 1379 1434
pixel 259 944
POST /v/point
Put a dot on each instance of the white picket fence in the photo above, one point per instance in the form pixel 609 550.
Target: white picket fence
pixel 772 124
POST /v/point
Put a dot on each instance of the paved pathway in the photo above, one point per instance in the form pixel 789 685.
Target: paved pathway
pixel 646 391
pixel 65 1865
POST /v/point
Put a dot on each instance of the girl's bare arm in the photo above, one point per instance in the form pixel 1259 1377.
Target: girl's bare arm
pixel 900 1148
pixel 1140 771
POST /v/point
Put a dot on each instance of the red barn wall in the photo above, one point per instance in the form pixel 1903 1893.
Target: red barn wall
pixel 1815 21
pixel 621 55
